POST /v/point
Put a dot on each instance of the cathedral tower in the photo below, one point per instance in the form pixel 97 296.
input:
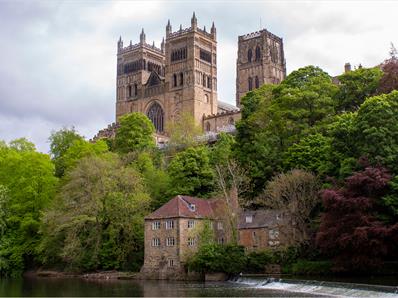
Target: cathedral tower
pixel 191 70
pixel 260 61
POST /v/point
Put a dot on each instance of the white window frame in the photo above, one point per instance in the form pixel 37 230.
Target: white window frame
pixel 156 225
pixel 220 225
pixel 191 224
pixel 170 263
pixel 191 241
pixel 169 224
pixel 155 242
pixel 170 241
pixel 249 218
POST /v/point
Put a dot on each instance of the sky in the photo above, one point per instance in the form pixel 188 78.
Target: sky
pixel 58 58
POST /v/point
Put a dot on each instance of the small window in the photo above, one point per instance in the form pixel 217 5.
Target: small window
pixel 191 241
pixel 181 79
pixel 135 89
pixel 258 53
pixel 209 82
pixel 191 224
pixel 171 262
pixel 169 224
pixel 221 240
pixel 206 98
pixel 204 80
pixel 155 242
pixel 249 55
pixel 170 241
pixel 250 84
pixel 174 80
pixel 156 225
pixel 208 127
pixel 249 219
pixel 231 121
pixel 192 207
pixel 129 90
pixel 220 226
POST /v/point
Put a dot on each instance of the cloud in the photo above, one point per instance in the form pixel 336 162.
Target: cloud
pixel 58 58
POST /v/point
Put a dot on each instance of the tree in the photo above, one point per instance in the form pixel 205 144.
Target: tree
pixel 311 153
pixel 376 129
pixel 350 231
pixel 97 220
pixel 389 80
pixel 134 133
pixel 296 193
pixel 60 141
pixel 355 86
pixel 28 186
pixel 184 132
pixel 190 172
pixel 81 148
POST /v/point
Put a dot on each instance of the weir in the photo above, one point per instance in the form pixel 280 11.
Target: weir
pixel 324 288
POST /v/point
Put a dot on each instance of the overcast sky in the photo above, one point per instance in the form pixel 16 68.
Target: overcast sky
pixel 58 58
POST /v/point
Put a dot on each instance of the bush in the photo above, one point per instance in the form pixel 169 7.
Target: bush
pixel 256 261
pixel 311 267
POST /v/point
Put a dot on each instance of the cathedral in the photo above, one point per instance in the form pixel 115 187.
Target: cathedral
pixel 181 77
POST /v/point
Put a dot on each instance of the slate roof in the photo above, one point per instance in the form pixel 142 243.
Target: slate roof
pixel 179 206
pixel 225 107
pixel 261 219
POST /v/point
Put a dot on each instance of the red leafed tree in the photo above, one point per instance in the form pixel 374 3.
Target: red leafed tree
pixel 350 231
pixel 389 80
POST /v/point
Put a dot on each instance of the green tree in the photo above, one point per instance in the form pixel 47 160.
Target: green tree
pixel 355 86
pixel 311 153
pixel 97 221
pixel 29 178
pixel 60 141
pixel 81 148
pixel 183 132
pixel 376 127
pixel 190 172
pixel 22 144
pixel 135 133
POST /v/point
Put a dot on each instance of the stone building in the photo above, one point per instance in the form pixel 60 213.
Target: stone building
pixel 172 234
pixel 262 229
pixel 180 76
pixel 260 61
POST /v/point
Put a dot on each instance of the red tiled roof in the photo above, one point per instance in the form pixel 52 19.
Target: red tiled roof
pixel 179 206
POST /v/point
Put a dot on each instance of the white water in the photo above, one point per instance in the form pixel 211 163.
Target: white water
pixel 320 288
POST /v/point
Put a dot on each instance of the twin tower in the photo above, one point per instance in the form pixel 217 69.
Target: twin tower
pixel 181 76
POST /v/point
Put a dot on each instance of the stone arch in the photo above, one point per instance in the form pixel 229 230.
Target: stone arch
pixel 156 114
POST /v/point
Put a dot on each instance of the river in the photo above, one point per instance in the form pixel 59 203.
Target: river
pixel 241 287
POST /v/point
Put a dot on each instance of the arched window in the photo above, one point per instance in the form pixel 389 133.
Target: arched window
pixel 181 79
pixel 135 89
pixel 231 121
pixel 256 82
pixel 206 98
pixel 208 127
pixel 155 114
pixel 250 84
pixel 249 55
pixel 129 90
pixel 258 53
pixel 174 80
pixel 209 82
pixel 204 80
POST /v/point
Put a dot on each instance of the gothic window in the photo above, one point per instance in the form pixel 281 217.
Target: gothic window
pixel 174 80
pixel 249 55
pixel 256 82
pixel 181 79
pixel 129 90
pixel 204 80
pixel 209 82
pixel 208 127
pixel 155 114
pixel 258 53
pixel 250 84
pixel 205 55
pixel 135 90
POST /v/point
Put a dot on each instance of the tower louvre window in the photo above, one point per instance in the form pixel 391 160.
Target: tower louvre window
pixel 205 55
pixel 178 54
pixel 156 115
pixel 249 55
pixel 258 53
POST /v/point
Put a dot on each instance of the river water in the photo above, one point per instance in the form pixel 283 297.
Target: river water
pixel 241 287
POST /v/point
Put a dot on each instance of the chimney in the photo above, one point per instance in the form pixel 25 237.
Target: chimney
pixel 347 67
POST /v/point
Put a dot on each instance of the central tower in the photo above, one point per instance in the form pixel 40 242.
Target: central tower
pixel 191 70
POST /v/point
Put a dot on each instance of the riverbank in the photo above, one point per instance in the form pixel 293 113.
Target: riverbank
pixel 99 275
